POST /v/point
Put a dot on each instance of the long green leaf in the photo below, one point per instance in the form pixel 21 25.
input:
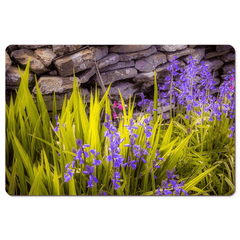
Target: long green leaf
pixel 21 154
pixel 171 161
pixel 12 185
pixel 168 135
pixel 189 186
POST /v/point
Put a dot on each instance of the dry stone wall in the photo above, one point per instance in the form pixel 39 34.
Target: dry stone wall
pixel 130 68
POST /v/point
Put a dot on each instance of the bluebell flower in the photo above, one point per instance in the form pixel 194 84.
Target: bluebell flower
pixel 174 65
pixel 95 154
pixel 118 160
pixel 232 129
pixel 79 143
pixel 157 154
pixel 115 141
pixel 181 188
pixel 73 164
pixel 125 164
pixel 139 153
pixel 153 174
pixel 176 189
pixel 173 68
pixel 131 127
pixel 96 162
pixel 148 144
pixel 133 164
pixel 158 192
pixel 89 171
pixel 165 189
pixel 154 163
pixel 150 108
pixel 147 128
pixel 102 193
pixel 68 173
pixel 171 174
pixel 144 101
pixel 57 124
pixel 116 177
pixel 81 151
pixel 110 128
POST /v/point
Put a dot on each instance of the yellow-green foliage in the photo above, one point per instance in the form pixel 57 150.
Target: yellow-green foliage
pixel 36 156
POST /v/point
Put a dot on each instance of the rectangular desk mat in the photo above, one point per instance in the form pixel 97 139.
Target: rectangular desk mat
pixel 124 120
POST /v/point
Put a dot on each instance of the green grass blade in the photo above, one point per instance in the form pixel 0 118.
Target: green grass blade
pixel 35 185
pixel 188 186
pixel 21 154
pixel 12 185
pixel 168 135
pixel 171 161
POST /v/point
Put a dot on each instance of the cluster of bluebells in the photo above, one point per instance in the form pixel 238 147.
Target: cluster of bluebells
pixel 89 171
pixel 146 104
pixel 115 156
pixel 147 130
pixel 157 157
pixel 132 137
pixel 190 95
pixel 232 129
pixel 139 153
pixel 227 90
pixel 173 68
pixel 186 92
pixel 81 155
pixel 154 162
pixel 170 186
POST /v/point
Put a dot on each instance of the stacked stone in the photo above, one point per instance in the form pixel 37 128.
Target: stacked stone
pixel 130 68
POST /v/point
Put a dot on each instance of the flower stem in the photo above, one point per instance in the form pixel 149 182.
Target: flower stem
pixel 171 95
pixel 136 181
pixel 153 179
pixel 129 173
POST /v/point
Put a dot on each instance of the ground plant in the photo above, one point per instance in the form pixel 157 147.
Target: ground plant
pixel 101 153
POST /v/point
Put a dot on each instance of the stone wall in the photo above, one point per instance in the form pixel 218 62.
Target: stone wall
pixel 130 68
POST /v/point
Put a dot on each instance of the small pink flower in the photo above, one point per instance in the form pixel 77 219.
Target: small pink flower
pixel 231 87
pixel 115 104
pixel 115 116
pixel 120 105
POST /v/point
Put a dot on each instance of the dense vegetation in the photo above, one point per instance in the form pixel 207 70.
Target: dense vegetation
pixel 73 153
